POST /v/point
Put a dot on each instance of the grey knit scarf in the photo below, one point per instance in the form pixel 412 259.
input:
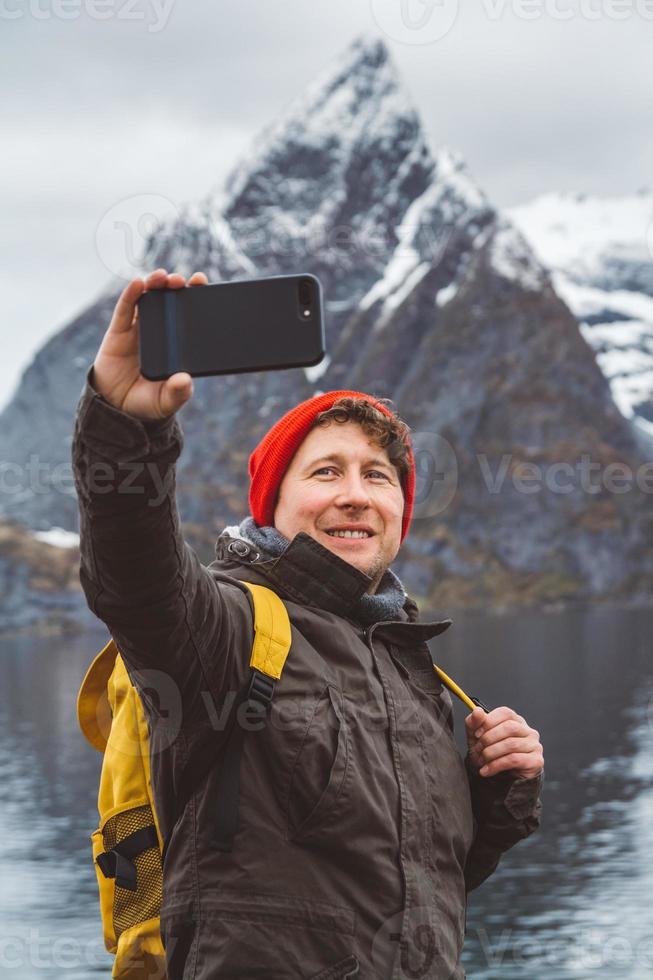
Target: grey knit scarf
pixel 386 603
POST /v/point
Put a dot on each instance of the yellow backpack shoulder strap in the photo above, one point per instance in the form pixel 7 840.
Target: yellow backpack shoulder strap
pixel 470 701
pixel 269 651
pixel 272 636
pixel 270 648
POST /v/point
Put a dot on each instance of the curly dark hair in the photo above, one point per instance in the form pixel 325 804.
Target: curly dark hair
pixel 389 432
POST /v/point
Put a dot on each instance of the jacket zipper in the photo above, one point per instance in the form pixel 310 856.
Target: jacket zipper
pixel 367 633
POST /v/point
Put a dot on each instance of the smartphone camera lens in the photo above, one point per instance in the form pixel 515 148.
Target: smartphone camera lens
pixel 305 292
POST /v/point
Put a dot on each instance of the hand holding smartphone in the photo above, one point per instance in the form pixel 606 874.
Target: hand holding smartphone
pixel 116 374
pixel 232 327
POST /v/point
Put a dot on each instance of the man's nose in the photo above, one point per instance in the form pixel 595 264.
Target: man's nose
pixel 353 492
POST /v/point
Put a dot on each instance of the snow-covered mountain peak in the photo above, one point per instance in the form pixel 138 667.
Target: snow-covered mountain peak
pixel 600 251
pixel 325 187
pixel 358 99
pixel 451 170
pixel 450 160
pixel 335 171
pixel 585 234
pixel 363 56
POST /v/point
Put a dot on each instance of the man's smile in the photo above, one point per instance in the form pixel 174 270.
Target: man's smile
pixel 350 532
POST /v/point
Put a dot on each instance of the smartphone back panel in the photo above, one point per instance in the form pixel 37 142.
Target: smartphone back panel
pixel 231 327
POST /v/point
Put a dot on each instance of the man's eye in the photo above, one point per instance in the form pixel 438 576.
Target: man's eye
pixel 331 469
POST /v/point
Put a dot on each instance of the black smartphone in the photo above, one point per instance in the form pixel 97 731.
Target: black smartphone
pixel 230 327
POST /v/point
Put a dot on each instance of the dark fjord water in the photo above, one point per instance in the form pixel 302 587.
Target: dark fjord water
pixel 572 902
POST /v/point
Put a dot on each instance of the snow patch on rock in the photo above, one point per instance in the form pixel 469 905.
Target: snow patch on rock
pixel 513 258
pixel 58 537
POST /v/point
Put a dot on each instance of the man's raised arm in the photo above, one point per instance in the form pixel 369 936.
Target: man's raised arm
pixel 139 576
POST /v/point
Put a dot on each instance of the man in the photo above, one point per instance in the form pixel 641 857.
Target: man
pixel 360 828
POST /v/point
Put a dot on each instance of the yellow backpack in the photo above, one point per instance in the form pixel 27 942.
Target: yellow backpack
pixel 127 846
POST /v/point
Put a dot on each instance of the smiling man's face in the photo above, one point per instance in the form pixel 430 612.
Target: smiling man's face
pixel 339 480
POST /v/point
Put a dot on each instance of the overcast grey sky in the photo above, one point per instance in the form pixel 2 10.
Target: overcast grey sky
pixel 161 96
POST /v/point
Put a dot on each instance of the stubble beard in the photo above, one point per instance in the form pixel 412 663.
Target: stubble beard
pixel 375 571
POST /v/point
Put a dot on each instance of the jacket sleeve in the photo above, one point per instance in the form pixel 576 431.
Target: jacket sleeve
pixel 506 809
pixel 160 604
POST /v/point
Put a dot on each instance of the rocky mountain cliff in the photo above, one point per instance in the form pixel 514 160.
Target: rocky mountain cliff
pixel 434 299
pixel 39 579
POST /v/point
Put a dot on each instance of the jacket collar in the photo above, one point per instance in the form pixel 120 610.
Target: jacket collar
pixel 310 574
pixel 306 572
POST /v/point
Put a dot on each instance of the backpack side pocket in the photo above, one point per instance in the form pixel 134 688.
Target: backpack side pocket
pixel 127 844
pixel 129 873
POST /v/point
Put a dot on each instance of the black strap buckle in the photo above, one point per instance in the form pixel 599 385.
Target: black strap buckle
pixel 260 691
pixel 118 861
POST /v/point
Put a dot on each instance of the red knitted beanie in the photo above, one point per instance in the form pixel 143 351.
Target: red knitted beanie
pixel 271 458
